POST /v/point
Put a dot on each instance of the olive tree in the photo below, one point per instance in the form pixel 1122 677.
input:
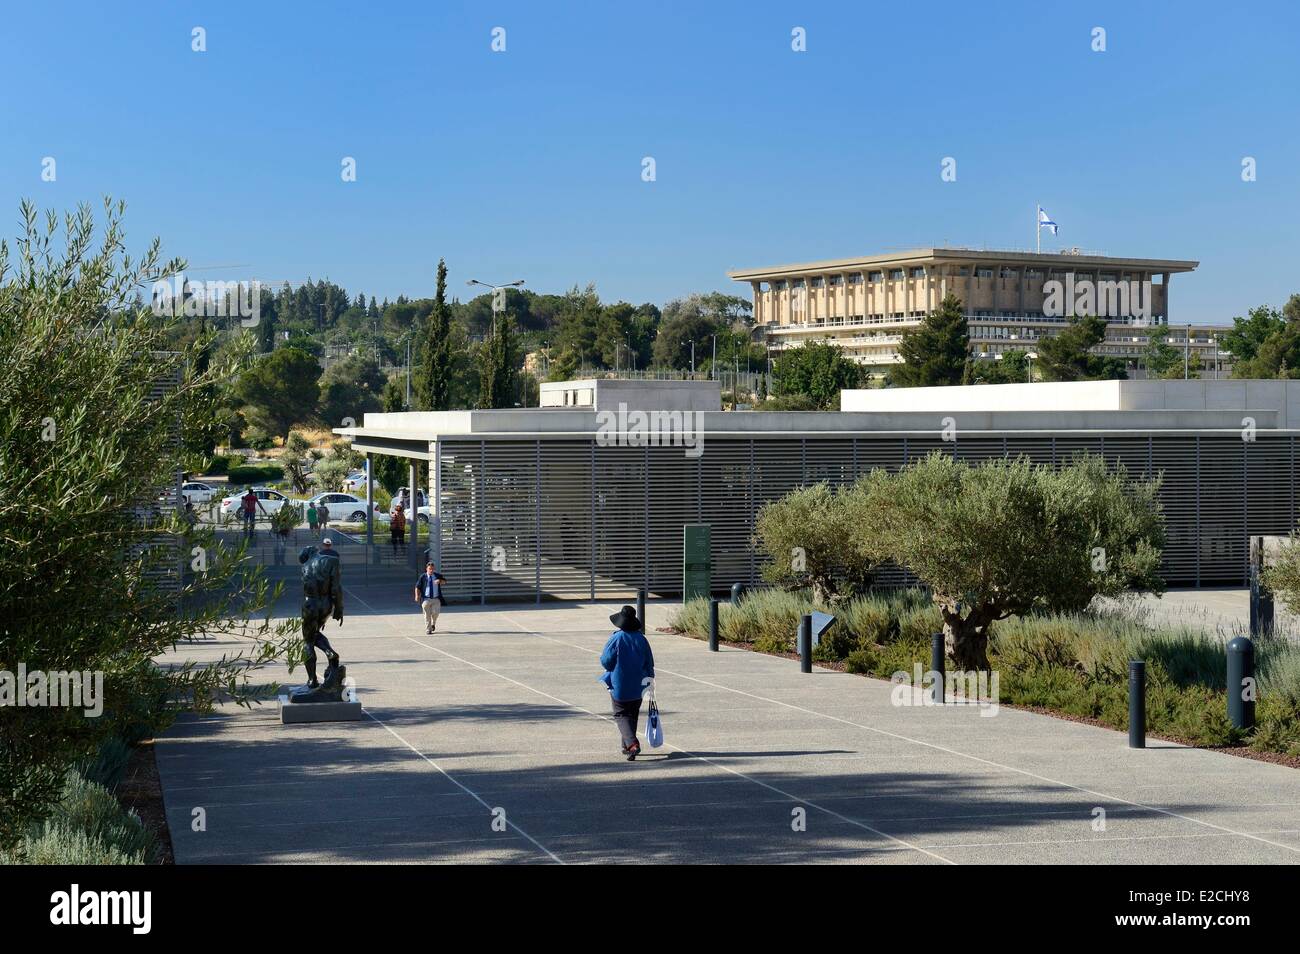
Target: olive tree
pixel 1283 575
pixel 1009 537
pixel 99 406
pixel 811 540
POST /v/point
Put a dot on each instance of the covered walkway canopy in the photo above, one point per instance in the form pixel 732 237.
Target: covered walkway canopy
pixel 589 499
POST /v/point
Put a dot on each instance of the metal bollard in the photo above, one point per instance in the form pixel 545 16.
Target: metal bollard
pixel 1241 683
pixel 713 626
pixel 1137 704
pixel 937 653
pixel 640 610
pixel 737 591
pixel 805 643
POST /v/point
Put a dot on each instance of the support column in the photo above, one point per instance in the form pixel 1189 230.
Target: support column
pixel 1164 277
pixel 370 503
pixel 435 507
pixel 413 513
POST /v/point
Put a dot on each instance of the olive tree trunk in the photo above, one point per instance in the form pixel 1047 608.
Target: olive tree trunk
pixel 967 638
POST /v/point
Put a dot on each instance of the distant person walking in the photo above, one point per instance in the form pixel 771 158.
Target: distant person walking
pixel 629 664
pixel 313 517
pixel 428 593
pixel 397 527
pixel 249 505
pixel 323 515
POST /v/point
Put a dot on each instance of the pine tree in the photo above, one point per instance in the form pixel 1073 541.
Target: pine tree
pixel 433 373
pixel 936 352
pixel 1067 355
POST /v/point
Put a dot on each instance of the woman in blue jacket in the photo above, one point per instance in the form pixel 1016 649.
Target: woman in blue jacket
pixel 628 663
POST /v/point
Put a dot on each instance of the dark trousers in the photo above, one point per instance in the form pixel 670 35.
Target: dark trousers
pixel 626 714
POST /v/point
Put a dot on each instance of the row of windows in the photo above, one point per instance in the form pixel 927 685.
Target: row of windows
pixel 898 274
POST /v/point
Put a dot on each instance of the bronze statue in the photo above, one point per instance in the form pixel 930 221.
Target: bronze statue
pixel 322 597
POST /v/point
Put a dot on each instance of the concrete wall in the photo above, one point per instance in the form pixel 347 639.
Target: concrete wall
pixel 1282 397
pixel 1065 396
pixel 606 394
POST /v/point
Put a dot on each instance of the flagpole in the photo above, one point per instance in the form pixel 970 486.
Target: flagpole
pixel 1038 228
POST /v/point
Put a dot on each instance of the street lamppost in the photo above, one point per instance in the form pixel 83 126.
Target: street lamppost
pixel 498 296
pixel 410 333
pixel 498 306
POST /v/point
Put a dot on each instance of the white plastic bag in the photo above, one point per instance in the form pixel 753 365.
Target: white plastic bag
pixel 654 726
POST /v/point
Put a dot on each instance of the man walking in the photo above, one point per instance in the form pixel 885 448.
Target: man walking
pixel 428 593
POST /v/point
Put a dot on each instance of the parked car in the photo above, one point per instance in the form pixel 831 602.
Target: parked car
pixel 269 501
pixel 198 493
pixel 346 507
pixel 403 497
pixel 355 481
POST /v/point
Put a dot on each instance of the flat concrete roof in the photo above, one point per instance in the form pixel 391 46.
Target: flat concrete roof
pixel 1249 397
pixel 1062 260
pixel 1042 409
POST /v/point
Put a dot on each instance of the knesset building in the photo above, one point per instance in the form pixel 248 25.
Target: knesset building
pixel 586 496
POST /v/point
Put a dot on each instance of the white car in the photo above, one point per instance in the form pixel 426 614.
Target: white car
pixel 346 508
pixel 403 497
pixel 355 481
pixel 198 493
pixel 268 502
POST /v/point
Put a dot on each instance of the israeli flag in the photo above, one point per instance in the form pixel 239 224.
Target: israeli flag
pixel 1045 220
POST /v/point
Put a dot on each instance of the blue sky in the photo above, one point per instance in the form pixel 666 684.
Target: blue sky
pixel 527 163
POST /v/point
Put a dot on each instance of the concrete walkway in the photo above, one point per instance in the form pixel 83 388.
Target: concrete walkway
pixel 1223 611
pixel 490 742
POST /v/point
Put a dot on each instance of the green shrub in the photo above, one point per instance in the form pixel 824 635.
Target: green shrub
pixel 863 661
pixel 107 766
pixel 919 624
pixel 774 642
pixel 767 613
pixel 869 619
pixel 88 827
pixel 692 618
pixel 60 845
pixel 259 439
pixel 219 464
pixel 254 474
pixel 836 643
pixel 1277 726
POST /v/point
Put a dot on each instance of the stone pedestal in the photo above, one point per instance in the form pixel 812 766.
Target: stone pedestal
pixel 298 712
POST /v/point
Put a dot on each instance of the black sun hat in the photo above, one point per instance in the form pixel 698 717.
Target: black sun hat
pixel 625 619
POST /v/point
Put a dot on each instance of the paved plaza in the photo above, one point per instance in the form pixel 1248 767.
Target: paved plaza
pixel 490 741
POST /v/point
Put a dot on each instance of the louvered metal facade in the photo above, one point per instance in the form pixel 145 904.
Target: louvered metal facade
pixel 566 517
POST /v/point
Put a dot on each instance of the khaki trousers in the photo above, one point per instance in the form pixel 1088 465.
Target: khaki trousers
pixel 431 610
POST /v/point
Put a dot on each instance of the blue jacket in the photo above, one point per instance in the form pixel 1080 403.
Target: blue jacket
pixel 627 660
